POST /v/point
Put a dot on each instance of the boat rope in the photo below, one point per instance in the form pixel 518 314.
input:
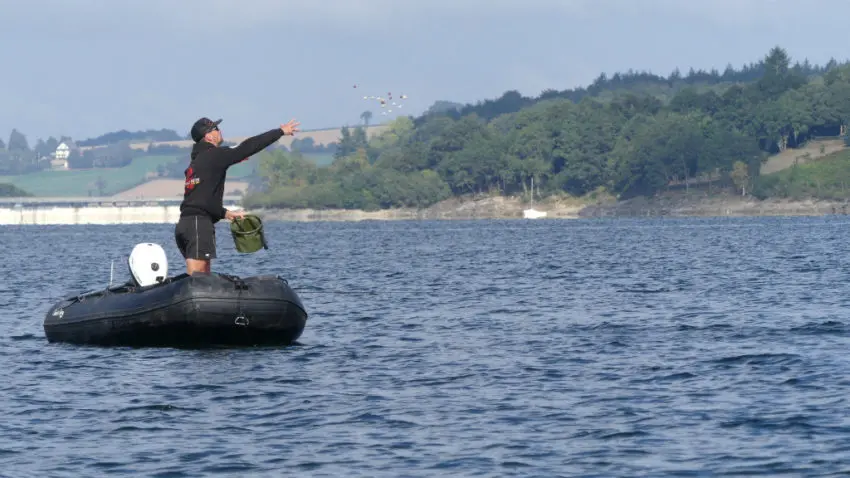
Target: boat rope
pixel 334 291
pixel 323 290
pixel 240 317
pixel 240 286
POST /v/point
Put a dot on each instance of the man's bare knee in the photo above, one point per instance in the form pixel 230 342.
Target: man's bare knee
pixel 197 265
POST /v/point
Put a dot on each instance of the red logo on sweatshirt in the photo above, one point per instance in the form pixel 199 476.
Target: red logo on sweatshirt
pixel 191 179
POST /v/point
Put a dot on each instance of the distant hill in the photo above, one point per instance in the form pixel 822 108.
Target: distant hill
pixel 627 135
pixel 320 136
pixel 136 136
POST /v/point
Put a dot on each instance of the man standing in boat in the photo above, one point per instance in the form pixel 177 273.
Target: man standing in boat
pixel 203 194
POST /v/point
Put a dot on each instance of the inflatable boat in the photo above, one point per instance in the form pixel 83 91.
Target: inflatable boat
pixel 202 309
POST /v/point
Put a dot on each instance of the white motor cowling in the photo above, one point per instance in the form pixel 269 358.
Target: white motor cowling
pixel 148 264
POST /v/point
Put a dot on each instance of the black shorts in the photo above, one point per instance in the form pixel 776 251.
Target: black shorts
pixel 195 237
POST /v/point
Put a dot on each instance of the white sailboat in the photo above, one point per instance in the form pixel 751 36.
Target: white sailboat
pixel 532 213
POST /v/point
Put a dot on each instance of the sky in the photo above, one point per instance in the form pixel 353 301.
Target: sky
pixel 83 68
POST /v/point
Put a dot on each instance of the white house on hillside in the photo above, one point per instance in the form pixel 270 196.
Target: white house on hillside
pixel 63 151
pixel 60 157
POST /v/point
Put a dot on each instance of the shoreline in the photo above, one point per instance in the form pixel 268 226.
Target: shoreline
pixel 505 208
pixel 493 207
pixel 678 204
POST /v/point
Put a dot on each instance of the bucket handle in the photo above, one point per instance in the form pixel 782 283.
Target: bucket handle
pixel 245 233
pixel 253 231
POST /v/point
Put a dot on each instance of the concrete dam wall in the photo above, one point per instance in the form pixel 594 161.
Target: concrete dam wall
pixel 30 211
pixel 89 215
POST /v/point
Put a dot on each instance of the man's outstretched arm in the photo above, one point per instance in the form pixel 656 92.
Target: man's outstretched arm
pixel 255 144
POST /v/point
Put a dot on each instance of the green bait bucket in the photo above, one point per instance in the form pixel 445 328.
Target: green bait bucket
pixel 248 234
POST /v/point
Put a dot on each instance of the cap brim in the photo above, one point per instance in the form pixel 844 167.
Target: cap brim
pixel 212 126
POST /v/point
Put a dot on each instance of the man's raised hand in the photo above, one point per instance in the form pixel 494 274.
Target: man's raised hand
pixel 290 128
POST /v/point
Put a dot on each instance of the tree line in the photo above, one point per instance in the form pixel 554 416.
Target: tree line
pixel 628 135
pixel 18 157
pixel 150 135
pixel 108 150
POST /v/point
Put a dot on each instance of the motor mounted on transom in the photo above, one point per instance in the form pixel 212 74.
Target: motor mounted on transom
pixel 148 264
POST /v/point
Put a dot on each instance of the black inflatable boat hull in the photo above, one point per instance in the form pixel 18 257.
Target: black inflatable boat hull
pixel 197 310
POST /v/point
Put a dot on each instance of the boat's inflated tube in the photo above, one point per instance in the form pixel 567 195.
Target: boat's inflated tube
pixel 204 309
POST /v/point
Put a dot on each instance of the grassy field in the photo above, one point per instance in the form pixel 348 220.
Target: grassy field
pixel 810 151
pixel 62 183
pixel 243 169
pixel 825 178
pixel 80 182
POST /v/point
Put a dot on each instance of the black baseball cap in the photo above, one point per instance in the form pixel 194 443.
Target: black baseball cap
pixel 202 127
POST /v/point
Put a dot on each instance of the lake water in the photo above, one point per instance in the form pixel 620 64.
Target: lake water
pixel 631 347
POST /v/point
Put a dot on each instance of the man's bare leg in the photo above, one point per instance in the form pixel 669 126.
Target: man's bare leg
pixel 197 265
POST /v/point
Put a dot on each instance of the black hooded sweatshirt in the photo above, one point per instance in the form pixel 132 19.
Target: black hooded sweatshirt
pixel 203 192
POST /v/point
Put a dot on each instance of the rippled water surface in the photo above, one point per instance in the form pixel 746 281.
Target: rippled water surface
pixel 686 347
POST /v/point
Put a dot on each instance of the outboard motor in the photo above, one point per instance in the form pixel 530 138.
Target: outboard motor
pixel 148 264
